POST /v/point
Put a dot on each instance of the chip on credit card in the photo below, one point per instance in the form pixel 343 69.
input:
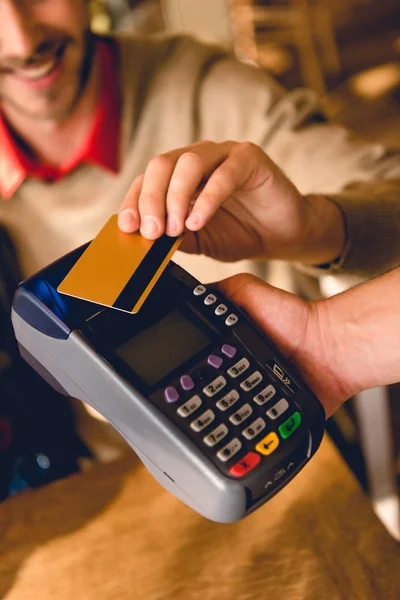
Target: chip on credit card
pixel 118 269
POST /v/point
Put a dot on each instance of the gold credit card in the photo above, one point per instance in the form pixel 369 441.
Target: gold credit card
pixel 119 269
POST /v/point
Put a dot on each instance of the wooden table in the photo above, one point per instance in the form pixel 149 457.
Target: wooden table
pixel 112 533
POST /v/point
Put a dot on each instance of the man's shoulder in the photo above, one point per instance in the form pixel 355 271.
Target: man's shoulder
pixel 160 40
pixel 162 48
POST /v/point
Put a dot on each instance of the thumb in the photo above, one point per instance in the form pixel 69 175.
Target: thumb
pixel 282 316
pixel 297 329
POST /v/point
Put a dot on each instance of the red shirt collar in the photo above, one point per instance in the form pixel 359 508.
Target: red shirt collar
pixel 101 145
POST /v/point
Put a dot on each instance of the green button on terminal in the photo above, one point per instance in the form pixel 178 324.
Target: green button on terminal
pixel 289 426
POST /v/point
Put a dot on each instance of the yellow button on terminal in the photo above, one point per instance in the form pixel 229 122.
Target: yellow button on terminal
pixel 268 444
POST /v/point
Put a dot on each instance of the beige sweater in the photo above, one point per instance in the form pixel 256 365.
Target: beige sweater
pixel 176 91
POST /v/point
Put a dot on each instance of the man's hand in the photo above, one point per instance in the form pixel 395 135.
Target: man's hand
pixel 301 331
pixel 235 203
pixel 342 345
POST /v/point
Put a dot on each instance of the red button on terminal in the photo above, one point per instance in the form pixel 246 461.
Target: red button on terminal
pixel 245 465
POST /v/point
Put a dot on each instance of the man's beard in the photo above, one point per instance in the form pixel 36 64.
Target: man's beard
pixel 83 77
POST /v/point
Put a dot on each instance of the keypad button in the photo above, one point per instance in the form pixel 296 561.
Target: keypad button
pixel 229 450
pixel 265 395
pixel 251 382
pixel 290 426
pixel 254 429
pixel 231 320
pixel 218 434
pixel 228 350
pixel 171 394
pixel 203 421
pixel 278 409
pixel 241 415
pixel 240 367
pixel 189 407
pixel 268 444
pixel 215 386
pixel 199 290
pixel 210 299
pixel 228 400
pixel 187 383
pixel 221 310
pixel 215 361
pixel 247 464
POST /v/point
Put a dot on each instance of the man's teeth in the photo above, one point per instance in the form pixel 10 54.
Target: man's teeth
pixel 37 72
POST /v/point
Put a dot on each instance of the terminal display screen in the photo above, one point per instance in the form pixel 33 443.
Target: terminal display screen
pixel 156 351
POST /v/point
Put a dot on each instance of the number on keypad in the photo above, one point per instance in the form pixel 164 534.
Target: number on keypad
pixel 203 421
pixel 189 407
pixel 216 436
pixel 251 382
pixel 265 395
pixel 254 429
pixel 228 400
pixel 239 368
pixel 241 415
pixel 215 386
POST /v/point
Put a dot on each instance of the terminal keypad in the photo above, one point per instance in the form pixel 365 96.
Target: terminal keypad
pixel 232 406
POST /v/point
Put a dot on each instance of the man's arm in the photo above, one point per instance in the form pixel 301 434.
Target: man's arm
pixel 342 345
pixel 230 100
pixel 242 103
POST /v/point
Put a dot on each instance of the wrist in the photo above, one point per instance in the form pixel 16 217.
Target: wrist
pixel 324 236
pixel 319 360
pixel 339 341
pixel 361 334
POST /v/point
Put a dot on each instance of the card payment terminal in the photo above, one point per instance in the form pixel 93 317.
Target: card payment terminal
pixel 203 397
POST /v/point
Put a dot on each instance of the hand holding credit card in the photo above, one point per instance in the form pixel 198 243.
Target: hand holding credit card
pixel 119 269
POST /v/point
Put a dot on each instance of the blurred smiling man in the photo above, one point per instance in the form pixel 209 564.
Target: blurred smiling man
pixel 82 117
pixel 49 80
pixel 45 59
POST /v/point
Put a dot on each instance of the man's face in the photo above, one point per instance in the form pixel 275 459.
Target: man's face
pixel 44 56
